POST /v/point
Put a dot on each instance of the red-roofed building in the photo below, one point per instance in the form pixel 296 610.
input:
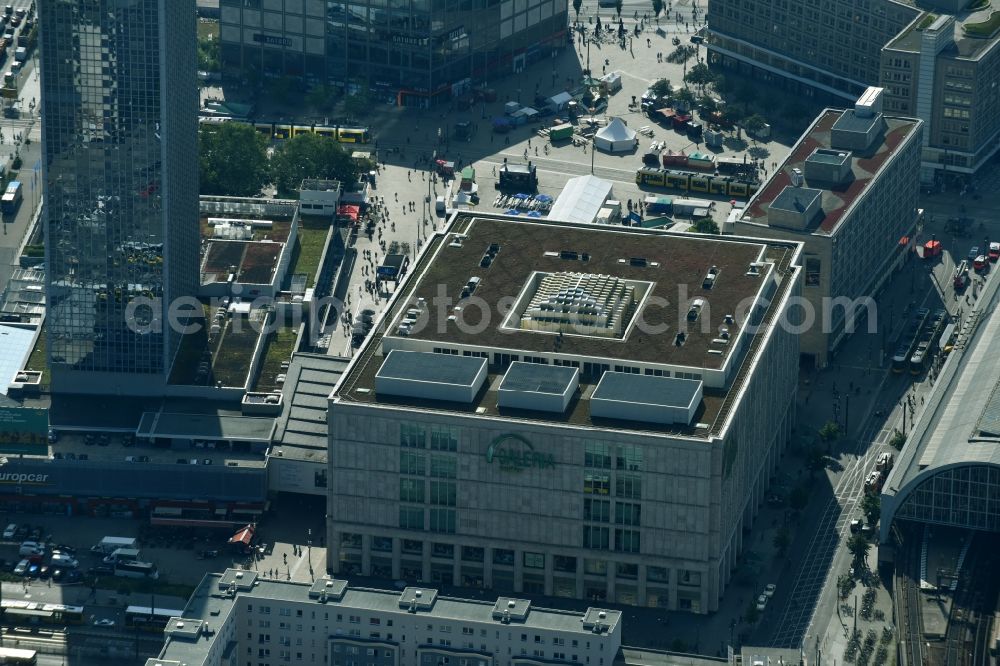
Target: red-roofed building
pixel 848 190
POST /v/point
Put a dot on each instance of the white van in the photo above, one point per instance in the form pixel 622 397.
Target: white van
pixel 122 555
pixel 9 533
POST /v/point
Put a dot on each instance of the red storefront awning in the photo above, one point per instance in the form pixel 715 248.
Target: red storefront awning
pixel 244 536
pixel 350 212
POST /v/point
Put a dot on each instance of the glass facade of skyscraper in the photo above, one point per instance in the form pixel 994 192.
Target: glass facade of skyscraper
pixel 119 138
pixel 411 52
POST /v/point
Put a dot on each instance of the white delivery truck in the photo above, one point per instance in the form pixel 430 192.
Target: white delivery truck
pixel 110 544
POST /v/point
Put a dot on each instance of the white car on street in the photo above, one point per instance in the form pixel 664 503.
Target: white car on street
pixel 769 590
pixel 762 602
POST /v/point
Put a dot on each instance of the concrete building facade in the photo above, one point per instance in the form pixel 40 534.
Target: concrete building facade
pixel 237 617
pixel 604 460
pixel 939 69
pixel 848 190
pixel 119 138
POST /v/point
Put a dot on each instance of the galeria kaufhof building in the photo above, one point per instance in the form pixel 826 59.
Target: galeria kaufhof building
pixel 607 432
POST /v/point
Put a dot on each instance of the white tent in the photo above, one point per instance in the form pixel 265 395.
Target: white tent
pixel 581 200
pixel 616 137
pixel 561 100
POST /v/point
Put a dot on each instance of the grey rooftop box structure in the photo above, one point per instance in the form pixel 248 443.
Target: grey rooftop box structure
pixel 430 376
pixel 796 207
pixel 621 395
pixel 540 387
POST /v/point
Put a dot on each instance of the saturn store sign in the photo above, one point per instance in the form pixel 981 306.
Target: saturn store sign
pixel 23 429
pixel 514 453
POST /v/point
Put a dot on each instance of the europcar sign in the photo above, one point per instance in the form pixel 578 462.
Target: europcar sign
pixel 514 453
pixel 18 477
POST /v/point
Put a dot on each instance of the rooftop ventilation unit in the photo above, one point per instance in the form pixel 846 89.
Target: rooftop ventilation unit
pixel 797 178
pixel 569 254
pixel 638 261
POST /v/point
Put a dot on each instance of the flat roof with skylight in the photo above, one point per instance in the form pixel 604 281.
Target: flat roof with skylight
pixel 522 319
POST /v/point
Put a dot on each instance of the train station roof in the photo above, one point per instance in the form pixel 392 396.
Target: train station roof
pixel 960 422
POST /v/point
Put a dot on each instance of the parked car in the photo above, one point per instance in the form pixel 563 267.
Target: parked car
pixel 104 622
pixel 21 568
pixel 64 560
pixel 67 576
pixel 769 590
pixel 29 548
pixel 9 533
pixel 762 602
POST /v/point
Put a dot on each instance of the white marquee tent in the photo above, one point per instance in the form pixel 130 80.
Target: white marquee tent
pixel 616 137
pixel 581 200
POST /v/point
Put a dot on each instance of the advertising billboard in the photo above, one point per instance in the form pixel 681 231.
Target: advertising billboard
pixel 23 429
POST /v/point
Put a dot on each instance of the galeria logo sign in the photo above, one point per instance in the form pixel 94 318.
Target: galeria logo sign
pixel 514 453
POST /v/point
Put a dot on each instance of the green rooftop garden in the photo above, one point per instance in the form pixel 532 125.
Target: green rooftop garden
pixel 232 359
pixel 985 28
pixel 309 248
pixel 280 346
pixel 38 361
pixel 926 21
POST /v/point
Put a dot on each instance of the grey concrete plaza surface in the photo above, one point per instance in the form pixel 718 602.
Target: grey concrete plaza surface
pixel 21 136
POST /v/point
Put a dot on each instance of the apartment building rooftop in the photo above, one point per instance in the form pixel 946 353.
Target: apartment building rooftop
pixel 190 638
pixel 829 169
pixel 578 301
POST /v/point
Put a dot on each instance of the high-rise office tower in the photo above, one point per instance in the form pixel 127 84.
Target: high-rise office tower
pixel 408 52
pixel 119 140
pixel 828 49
